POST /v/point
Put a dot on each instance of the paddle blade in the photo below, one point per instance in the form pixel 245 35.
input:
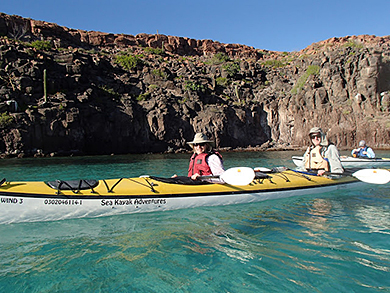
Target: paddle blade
pixel 238 176
pixel 374 176
pixel 262 169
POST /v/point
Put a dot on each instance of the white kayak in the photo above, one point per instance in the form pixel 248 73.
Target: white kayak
pixel 351 162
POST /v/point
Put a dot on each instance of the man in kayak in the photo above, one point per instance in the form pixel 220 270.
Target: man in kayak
pixel 205 160
pixel 363 151
pixel 322 156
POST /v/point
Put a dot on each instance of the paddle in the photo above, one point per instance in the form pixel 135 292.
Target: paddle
pixel 245 175
pixel 374 176
pixel 235 176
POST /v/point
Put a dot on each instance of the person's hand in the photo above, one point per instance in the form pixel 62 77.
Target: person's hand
pixel 195 176
pixel 320 172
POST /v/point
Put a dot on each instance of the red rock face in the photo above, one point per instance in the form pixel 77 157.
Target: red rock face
pixel 173 87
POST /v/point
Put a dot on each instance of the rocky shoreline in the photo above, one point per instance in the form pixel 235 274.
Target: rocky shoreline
pixel 72 92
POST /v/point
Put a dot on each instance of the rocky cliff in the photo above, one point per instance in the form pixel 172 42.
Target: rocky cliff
pixel 66 91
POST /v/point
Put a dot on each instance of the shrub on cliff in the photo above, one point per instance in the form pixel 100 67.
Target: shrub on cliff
pixel 193 86
pixel 155 51
pixel 219 58
pixel 5 120
pixel 231 68
pixel 311 70
pixel 42 45
pixel 128 62
pixel 274 63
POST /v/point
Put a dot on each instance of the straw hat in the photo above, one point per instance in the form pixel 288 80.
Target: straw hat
pixel 200 138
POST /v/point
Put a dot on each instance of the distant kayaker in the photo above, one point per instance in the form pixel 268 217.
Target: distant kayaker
pixel 363 151
pixel 322 156
pixel 205 160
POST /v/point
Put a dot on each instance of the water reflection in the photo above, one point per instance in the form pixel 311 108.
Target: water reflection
pixel 375 218
pixel 317 220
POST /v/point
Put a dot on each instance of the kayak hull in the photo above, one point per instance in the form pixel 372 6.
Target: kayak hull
pixel 351 162
pixel 36 201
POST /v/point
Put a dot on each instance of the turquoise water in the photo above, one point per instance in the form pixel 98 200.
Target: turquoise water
pixel 334 242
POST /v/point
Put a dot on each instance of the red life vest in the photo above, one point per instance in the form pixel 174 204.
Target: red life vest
pixel 199 165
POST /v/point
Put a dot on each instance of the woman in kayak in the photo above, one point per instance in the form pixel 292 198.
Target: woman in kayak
pixel 322 156
pixel 205 160
pixel 363 151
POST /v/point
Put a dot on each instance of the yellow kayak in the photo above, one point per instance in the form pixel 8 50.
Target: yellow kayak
pixel 48 201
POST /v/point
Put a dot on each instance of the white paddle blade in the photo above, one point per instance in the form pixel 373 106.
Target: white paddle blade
pixel 262 169
pixel 374 176
pixel 238 176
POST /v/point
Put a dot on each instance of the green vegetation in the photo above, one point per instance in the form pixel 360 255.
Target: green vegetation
pixel 143 97
pixel 5 119
pixel 232 68
pixel 222 81
pixel 192 86
pixel 274 63
pixel 128 62
pixel 353 44
pixel 153 87
pixel 237 91
pixel 154 51
pixel 42 45
pixel 159 73
pixel 109 91
pixel 219 58
pixel 183 101
pixel 311 70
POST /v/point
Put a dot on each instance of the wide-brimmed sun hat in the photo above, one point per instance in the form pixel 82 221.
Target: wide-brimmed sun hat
pixel 315 130
pixel 324 140
pixel 200 138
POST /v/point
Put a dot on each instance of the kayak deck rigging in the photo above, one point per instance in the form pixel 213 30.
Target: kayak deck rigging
pixel 60 199
pixel 152 186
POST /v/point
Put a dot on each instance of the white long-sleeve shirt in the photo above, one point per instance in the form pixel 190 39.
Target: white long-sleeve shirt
pixel 216 165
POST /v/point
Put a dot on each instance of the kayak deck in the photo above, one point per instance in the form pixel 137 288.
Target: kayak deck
pixel 152 187
pixel 37 201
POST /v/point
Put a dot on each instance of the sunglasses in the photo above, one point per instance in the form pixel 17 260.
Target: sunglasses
pixel 199 144
pixel 315 136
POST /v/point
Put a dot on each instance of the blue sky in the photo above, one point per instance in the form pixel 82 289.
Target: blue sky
pixel 277 25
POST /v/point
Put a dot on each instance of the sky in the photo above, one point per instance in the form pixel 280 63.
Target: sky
pixel 275 25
